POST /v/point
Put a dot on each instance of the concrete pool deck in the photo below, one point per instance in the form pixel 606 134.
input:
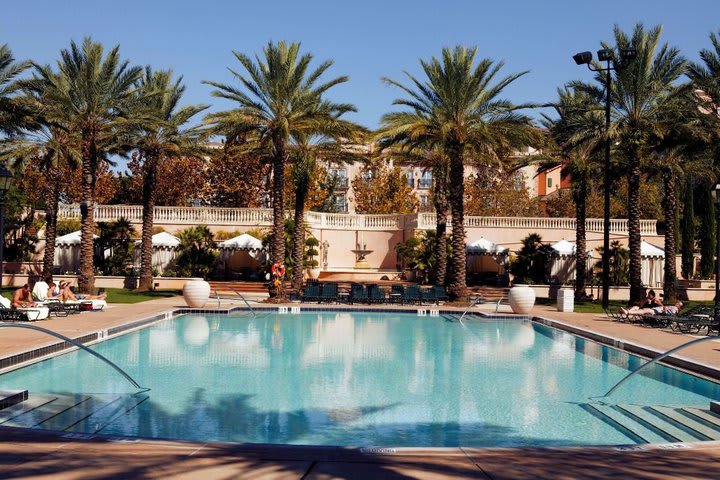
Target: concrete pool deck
pixel 42 454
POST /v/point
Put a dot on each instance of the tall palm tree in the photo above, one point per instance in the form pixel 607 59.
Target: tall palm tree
pixel 278 97
pixel 576 132
pixel 161 134
pixel 642 92
pixel 46 148
pixel 457 110
pixel 11 113
pixel 305 154
pixel 92 93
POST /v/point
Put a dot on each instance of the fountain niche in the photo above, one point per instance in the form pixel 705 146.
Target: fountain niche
pixel 361 252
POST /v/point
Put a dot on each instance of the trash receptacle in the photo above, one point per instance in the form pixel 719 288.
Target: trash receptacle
pixel 566 300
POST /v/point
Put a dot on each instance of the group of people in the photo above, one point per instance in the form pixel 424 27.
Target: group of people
pixel 652 306
pixel 43 291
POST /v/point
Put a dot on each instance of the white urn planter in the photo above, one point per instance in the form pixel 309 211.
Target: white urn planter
pixel 314 273
pixel 521 299
pixel 196 293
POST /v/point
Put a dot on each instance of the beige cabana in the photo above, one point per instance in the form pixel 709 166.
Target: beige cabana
pixel 484 256
pixel 165 248
pixel 562 263
pixel 67 252
pixel 241 257
pixel 652 263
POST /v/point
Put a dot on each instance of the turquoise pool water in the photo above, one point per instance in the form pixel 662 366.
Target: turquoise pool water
pixel 340 378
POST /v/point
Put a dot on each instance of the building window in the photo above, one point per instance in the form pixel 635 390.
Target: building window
pixel 425 181
pixel 423 200
pixel 341 203
pixel 410 179
pixel 549 182
pixel 340 176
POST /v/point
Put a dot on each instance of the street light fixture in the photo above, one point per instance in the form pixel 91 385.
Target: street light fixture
pixel 607 56
pixel 6 179
pixel 716 199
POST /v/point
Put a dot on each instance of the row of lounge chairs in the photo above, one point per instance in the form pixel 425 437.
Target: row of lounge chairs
pixel 690 320
pixel 373 294
pixel 45 309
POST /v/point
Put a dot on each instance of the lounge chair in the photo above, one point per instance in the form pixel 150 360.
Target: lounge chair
pixel 396 293
pixel 439 294
pixel 357 293
pixel 311 293
pixel 626 317
pixel 412 295
pixel 329 292
pixel 376 294
pixel 31 314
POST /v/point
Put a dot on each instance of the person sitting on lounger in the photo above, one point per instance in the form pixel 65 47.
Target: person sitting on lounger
pixel 66 294
pixel 659 310
pixel 23 298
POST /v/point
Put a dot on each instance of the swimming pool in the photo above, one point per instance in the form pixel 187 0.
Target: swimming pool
pixel 361 378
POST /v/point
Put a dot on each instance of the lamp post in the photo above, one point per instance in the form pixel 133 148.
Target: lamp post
pixel 585 58
pixel 716 199
pixel 6 179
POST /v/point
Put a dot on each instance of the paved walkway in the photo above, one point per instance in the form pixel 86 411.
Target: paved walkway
pixel 31 454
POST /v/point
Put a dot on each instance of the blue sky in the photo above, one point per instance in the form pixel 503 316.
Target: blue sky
pixel 367 39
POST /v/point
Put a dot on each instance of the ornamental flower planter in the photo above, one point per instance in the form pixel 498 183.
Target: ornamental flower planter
pixel 521 299
pixel 196 293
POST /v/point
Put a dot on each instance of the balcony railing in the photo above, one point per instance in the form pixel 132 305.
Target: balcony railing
pixel 262 217
pixel 424 184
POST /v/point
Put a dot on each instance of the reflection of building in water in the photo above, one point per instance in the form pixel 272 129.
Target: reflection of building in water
pixel 509 342
pixel 165 346
pixel 347 338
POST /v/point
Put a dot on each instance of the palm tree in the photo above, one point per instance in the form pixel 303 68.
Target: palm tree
pixel 279 97
pixel 161 135
pixel 576 130
pixel 92 94
pixel 458 111
pixel 642 92
pixel 11 113
pixel 47 148
pixel 305 154
pixel 435 161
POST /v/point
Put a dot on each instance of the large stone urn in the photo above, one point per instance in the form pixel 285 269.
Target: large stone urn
pixel 196 293
pixel 521 299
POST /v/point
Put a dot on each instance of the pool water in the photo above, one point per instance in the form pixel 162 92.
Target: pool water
pixel 342 378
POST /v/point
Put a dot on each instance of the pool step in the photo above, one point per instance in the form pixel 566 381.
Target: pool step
pixel 33 402
pixel 101 418
pixel 43 413
pixel 638 431
pixel 658 423
pixel 72 413
pixel 8 398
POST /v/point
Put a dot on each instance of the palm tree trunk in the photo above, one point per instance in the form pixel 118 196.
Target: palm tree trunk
pixel 580 238
pixel 670 207
pixel 299 233
pixel 457 283
pixel 86 276
pixel 51 209
pixel 441 213
pixel 278 231
pixel 634 236
pixel 146 249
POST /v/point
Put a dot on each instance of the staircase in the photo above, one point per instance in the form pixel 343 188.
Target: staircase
pixel 229 288
pixel 69 413
pixel 657 423
pixel 490 294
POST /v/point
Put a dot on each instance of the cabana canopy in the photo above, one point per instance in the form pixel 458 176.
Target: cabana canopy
pixel 70 239
pixel 242 242
pixel 562 263
pixel 651 251
pixel 163 240
pixel 485 247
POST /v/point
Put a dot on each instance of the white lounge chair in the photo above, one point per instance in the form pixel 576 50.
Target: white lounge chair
pixel 33 313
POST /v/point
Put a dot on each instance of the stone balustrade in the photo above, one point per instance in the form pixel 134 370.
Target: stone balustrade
pixel 262 217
